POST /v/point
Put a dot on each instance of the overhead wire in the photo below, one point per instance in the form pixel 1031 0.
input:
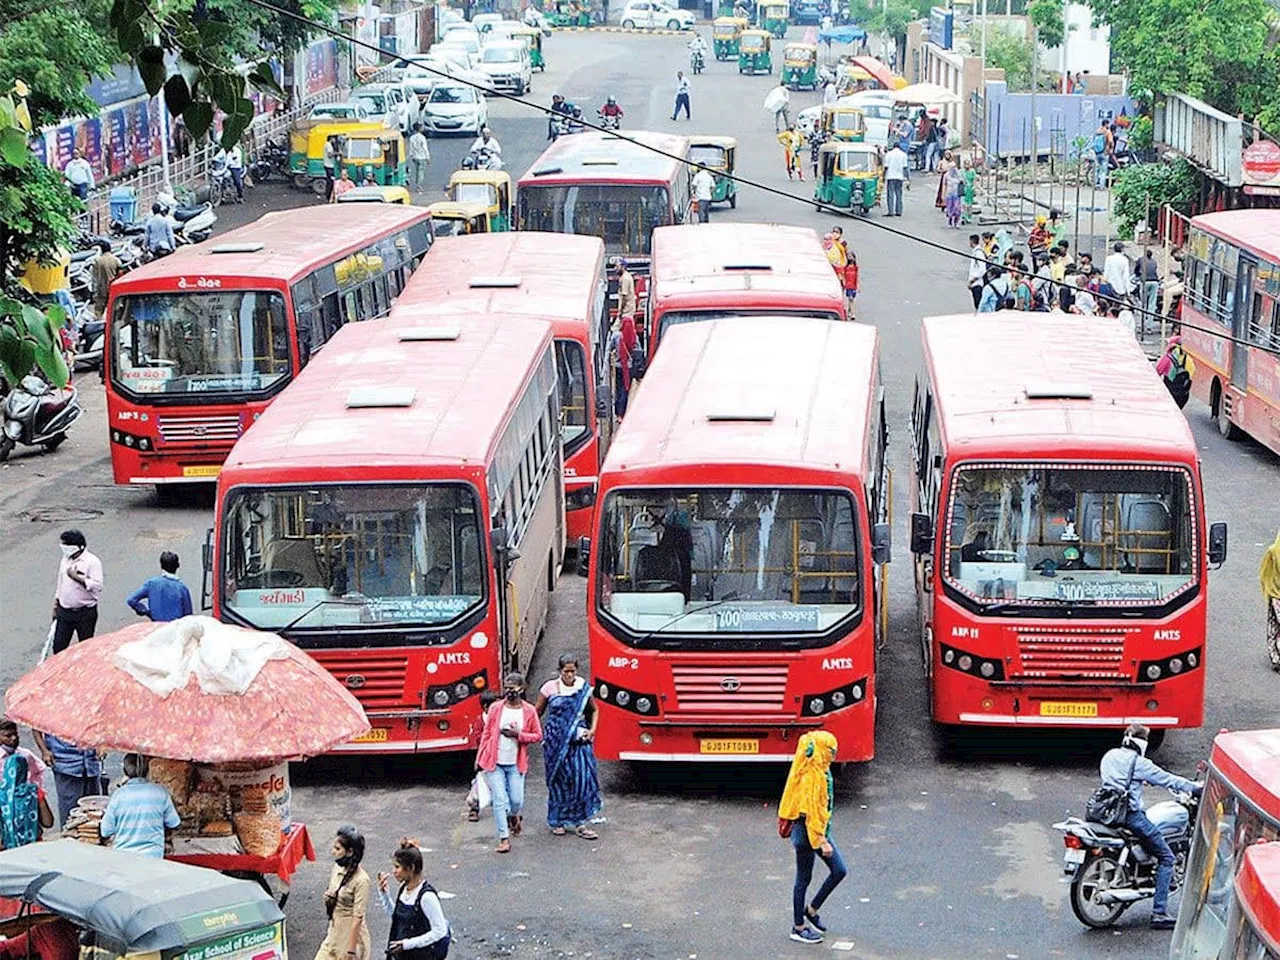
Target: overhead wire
pixel 337 34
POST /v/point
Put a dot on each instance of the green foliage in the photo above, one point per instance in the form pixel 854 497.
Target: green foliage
pixel 1012 54
pixel 1142 134
pixel 890 19
pixel 55 48
pixel 1138 192
pixel 1047 16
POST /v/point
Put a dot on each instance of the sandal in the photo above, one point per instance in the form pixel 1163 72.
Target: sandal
pixel 504 846
pixel 473 815
pixel 516 824
pixel 587 834
pixel 557 831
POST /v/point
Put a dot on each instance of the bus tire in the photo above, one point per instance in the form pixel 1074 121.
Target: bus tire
pixel 1225 427
pixel 551 572
pixel 1155 740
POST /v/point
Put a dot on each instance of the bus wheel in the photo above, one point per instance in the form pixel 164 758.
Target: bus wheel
pixel 1155 740
pixel 551 572
pixel 1225 426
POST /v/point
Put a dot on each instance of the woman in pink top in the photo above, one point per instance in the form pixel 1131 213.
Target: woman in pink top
pixel 510 726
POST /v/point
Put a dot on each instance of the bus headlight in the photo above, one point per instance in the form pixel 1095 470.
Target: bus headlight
pixel 440 698
pixel 602 691
pixel 816 706
pixel 838 699
pixel 1175 665
pixel 622 698
pixel 461 691
pixel 987 669
pixel 819 704
pixel 644 704
pixel 1153 671
pixel 972 663
pixel 1172 666
pixel 966 662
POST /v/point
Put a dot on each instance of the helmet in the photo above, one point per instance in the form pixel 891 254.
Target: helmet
pixel 577 112
pixel 556 98
pixel 468 162
pixel 1136 737
pixel 612 101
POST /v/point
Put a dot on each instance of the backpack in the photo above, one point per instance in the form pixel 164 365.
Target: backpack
pixel 638 364
pixel 1110 805
pixel 1099 143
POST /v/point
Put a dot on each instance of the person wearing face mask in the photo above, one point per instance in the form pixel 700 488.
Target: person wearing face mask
pixel 419 930
pixel 347 900
pixel 569 728
pixel 76 592
pixel 510 726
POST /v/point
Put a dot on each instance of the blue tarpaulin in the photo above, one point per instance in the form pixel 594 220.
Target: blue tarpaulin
pixel 846 34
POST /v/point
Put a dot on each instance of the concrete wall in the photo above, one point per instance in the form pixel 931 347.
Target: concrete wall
pixel 960 74
pixel 1063 118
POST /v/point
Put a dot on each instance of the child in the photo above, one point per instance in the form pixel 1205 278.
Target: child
pixel 851 281
pixel 487 698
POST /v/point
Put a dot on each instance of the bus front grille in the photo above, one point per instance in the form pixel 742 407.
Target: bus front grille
pixel 200 429
pixel 1067 655
pixel 376 681
pixel 729 689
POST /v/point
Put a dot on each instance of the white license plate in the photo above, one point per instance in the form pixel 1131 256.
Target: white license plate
pixel 1073 856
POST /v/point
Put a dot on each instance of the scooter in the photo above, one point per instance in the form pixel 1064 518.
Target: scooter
pixel 272 160
pixel 37 415
pixel 220 186
pixel 697 63
pixel 191 224
pixel 608 121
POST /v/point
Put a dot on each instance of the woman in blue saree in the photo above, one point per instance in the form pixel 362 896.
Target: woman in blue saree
pixel 569 719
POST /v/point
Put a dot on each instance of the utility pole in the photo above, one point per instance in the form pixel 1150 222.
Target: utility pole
pixel 982 50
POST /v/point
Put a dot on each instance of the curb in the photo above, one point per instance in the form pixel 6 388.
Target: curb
pixel 634 30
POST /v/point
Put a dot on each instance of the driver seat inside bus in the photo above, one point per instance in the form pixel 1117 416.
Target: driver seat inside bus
pixel 295 555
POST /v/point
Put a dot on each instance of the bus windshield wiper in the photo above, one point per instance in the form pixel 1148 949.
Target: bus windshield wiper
pixel 316 606
pixel 676 619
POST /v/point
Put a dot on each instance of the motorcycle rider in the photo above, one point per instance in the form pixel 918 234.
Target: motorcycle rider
pixel 488 142
pixel 1127 768
pixel 157 237
pixel 559 108
pixel 697 49
pixel 611 113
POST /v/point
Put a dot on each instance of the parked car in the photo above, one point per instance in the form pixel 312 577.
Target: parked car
pixel 463 35
pixel 345 110
pixel 506 66
pixel 454 108
pixel 651 13
pixel 456 52
pixel 380 101
pixel 808 11
pixel 483 22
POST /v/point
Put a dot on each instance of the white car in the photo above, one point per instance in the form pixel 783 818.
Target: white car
pixel 456 52
pixel 380 101
pixel 465 37
pixel 483 22
pixel 650 13
pixel 877 111
pixel 454 108
pixel 345 110
pixel 506 66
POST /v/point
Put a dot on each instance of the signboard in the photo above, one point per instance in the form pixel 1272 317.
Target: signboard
pixel 1261 163
pixel 1135 590
pixel 941 26
pixel 780 619
pixel 266 943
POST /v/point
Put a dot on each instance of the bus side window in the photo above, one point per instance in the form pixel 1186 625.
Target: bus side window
pixel 306 318
pixel 350 311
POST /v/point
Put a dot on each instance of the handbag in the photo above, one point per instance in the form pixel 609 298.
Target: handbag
pixel 484 796
pixel 638 365
pixel 785 827
pixel 1110 805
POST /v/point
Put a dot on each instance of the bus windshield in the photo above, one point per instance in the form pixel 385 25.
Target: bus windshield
pixel 233 341
pixel 351 555
pixel 1057 535
pixel 622 216
pixel 571 367
pixel 673 317
pixel 728 562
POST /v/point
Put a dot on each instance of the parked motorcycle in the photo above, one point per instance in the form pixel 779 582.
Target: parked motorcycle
pixel 272 160
pixel 35 414
pixel 1112 871
pixel 220 186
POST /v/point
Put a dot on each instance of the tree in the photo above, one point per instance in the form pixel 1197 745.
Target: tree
pixel 889 18
pixel 55 49
pixel 1047 18
pixel 1013 55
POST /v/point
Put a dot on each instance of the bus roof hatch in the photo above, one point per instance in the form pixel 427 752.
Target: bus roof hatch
pixel 494 283
pixel 743 414
pixel 427 334
pixel 383 396
pixel 1048 390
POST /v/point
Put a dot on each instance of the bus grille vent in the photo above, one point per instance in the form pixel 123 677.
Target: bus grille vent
pixel 1066 655
pixel 729 689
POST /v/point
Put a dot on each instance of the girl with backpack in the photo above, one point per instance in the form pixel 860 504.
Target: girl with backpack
pixel 419 930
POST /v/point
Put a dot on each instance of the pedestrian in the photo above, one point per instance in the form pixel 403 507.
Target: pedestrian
pixel 157 235
pixel 77 771
pixel 704 186
pixel 1038 240
pixel 346 900
pixel 165 597
pixel 1083 301
pixel 342 185
pixel 932 147
pixel 106 267
pixel 944 167
pixel 569 721
pixel 816 140
pixel 977 269
pixel 512 724
pixel 1117 271
pixel 829 94
pixel 1024 297
pixel 235 166
pixel 682 96
pixel 850 282
pixel 1147 272
pixel 24 811
pixel 895 175
pixel 76 591
pixel 79 175
pixel 488 696
pixel 419 930
pixel 792 140
pixel 779 98
pixel 953 191
pixel 1126 768
pixel 804 816
pixel 419 157
pixel 995 291
pixel 11 743
pixel 1101 148
pixel 139 813
pixel 970 176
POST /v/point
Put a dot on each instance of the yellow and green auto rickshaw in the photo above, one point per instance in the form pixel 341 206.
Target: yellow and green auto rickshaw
pixel 306 135
pixel 774 17
pixel 532 38
pixel 717 154
pixel 725 32
pixel 452 219
pixel 491 188
pixel 800 66
pixel 849 175
pixel 851 79
pixel 367 150
pixel 377 195
pixel 841 122
pixel 753 52
pixel 568 13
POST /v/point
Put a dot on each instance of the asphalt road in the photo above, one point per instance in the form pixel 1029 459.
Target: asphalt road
pixel 950 850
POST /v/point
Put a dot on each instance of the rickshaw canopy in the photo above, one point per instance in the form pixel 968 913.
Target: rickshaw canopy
pixel 136 904
pixel 728 26
pixel 853 158
pixel 801 52
pixel 713 152
pixel 499 180
pixel 755 39
pixel 780 10
pixel 376 195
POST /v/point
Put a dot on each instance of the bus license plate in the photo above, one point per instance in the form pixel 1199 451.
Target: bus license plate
pixel 729 746
pixel 376 735
pixel 1061 708
pixel 211 470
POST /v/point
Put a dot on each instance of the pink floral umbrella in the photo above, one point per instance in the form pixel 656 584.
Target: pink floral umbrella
pixel 90 694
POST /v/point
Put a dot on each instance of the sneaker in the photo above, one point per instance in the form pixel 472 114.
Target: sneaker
pixel 1162 921
pixel 816 921
pixel 806 935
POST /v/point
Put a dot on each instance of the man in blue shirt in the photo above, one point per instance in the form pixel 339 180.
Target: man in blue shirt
pixel 165 597
pixel 139 812
pixel 77 772
pixel 1127 768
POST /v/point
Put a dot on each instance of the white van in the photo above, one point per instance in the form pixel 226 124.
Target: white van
pixel 506 66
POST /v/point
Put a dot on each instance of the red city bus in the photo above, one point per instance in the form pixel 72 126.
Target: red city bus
pixel 602 185
pixel 199 342
pixel 398 514
pixel 1255 912
pixel 733 602
pixel 1232 285
pixel 707 270
pixel 1240 807
pixel 554 277
pixel 1058 527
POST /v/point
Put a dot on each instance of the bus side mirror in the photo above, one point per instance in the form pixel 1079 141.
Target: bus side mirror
pixel 583 561
pixel 206 580
pixel 500 541
pixel 881 543
pixel 921 533
pixel 1217 544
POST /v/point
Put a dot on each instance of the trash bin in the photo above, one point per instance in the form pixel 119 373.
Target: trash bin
pixel 124 204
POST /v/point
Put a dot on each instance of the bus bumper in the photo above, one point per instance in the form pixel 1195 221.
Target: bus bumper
pixel 1177 702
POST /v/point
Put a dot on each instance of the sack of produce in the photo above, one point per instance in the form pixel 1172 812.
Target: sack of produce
pixel 175 776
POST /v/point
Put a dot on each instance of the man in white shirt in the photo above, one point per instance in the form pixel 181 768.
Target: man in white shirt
pixel 79 174
pixel 1117 271
pixel 704 185
pixel 419 157
pixel 977 268
pixel 895 174
pixel 779 98
pixel 487 141
pixel 682 96
pixel 235 166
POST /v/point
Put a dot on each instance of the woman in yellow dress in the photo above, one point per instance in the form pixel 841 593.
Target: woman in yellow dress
pixel 347 900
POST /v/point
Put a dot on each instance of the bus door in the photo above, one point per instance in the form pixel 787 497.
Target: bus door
pixel 1243 313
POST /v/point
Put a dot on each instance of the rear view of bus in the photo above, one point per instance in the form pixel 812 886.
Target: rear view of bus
pixel 397 514
pixel 733 596
pixel 1058 527
pixel 708 270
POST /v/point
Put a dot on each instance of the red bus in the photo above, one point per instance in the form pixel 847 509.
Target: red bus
pixel 707 270
pixel 199 342
pixel 1232 277
pixel 1058 527
pixel 398 513
pixel 554 277
pixel 733 602
pixel 601 185
pixel 1239 808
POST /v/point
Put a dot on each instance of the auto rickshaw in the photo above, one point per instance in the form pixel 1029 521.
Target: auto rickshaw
pixel 840 122
pixel 304 166
pixel 121 906
pixel 366 150
pixel 532 38
pixel 724 36
pixel 452 219
pixel 490 188
pixel 849 175
pixel 568 13
pixel 774 17
pixel 717 154
pixel 753 52
pixel 851 79
pixel 800 66
pixel 377 195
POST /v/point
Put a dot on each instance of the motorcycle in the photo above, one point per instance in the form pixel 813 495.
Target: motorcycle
pixel 1111 871
pixel 608 121
pixel 697 63
pixel 192 223
pixel 272 160
pixel 482 159
pixel 37 415
pixel 220 186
